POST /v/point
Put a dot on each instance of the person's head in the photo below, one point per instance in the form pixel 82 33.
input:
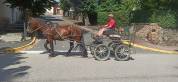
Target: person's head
pixel 110 15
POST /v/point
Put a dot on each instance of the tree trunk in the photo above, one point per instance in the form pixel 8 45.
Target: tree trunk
pixel 92 18
pixel 83 18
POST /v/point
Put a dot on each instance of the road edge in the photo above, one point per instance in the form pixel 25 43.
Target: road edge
pixel 21 48
pixel 151 49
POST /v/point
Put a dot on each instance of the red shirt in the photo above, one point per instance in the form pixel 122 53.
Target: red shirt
pixel 111 23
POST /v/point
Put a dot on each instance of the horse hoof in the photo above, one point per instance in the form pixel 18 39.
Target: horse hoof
pixel 52 55
pixel 67 55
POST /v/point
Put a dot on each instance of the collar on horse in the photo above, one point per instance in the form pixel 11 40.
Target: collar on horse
pixel 60 36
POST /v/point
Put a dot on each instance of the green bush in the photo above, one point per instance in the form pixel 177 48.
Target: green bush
pixel 141 16
pixel 102 17
pixel 165 19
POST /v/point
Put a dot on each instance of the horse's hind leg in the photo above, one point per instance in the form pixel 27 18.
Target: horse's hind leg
pixel 71 47
pixel 46 47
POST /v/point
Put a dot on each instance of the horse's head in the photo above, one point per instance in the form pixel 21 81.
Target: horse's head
pixel 32 25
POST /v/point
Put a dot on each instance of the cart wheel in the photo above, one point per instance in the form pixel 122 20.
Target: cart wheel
pixel 122 53
pixel 112 45
pixel 101 52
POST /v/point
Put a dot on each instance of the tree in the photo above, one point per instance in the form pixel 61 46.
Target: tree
pixel 36 7
pixel 108 5
pixel 85 7
pixel 88 8
pixel 160 4
pixel 30 8
pixel 162 12
pixel 65 5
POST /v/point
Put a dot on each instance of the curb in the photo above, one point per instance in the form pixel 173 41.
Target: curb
pixel 151 49
pixel 20 48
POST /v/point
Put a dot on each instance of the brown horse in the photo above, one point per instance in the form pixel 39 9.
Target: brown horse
pixel 63 32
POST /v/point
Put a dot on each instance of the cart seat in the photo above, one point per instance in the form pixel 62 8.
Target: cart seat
pixel 114 37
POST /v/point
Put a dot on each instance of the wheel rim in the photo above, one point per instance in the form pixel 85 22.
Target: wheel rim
pixel 122 53
pixel 101 52
pixel 112 45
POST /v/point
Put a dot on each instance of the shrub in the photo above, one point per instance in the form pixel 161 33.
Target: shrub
pixel 102 17
pixel 165 19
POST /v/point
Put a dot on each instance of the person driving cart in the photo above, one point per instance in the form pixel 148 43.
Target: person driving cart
pixel 111 25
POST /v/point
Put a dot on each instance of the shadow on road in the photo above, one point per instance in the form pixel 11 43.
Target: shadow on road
pixel 57 53
pixel 8 70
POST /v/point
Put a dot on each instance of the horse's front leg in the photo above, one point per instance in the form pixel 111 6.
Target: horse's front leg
pixel 51 48
pixel 71 47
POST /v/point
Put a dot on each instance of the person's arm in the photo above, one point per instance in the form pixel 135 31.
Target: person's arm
pixel 106 25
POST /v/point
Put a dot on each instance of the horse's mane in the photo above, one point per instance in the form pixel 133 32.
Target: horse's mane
pixel 42 22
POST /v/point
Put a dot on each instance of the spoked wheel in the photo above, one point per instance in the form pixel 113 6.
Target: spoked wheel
pixel 122 53
pixel 112 45
pixel 101 52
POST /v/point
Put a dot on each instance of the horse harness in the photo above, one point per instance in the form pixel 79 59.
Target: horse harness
pixel 51 30
pixel 72 34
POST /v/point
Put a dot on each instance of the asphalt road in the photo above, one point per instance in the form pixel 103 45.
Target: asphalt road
pixel 36 67
pixel 31 66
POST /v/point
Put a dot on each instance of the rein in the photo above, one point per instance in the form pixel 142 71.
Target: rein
pixel 39 26
pixel 36 29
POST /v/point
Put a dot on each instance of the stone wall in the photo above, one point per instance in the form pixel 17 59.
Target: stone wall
pixel 143 29
pixel 168 37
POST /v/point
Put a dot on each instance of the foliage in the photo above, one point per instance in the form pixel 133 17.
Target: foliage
pixel 102 18
pixel 65 4
pixel 160 4
pixel 128 7
pixel 166 19
pixel 37 7
pixel 108 5
pixel 129 11
pixel 124 8
pixel 88 6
